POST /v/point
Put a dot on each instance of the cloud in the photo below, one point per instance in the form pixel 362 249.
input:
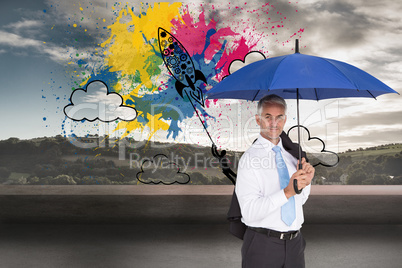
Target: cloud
pixel 14 40
pixel 32 46
pixel 24 24
pixel 359 128
pixel 97 103
pixel 375 119
pixel 315 148
pixel 372 138
pixel 353 31
pixel 50 36
pixel 251 57
pixel 159 170
pixel 62 55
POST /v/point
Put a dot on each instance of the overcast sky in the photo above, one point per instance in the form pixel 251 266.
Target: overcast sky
pixel 36 45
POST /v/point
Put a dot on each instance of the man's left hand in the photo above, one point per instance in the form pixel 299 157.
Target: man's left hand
pixel 308 169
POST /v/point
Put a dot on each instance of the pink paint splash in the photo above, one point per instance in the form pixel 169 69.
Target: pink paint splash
pixel 186 31
pixel 242 35
pixel 208 102
pixel 185 34
pixel 241 48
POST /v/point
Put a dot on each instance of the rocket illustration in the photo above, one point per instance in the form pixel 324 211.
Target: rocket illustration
pixel 180 65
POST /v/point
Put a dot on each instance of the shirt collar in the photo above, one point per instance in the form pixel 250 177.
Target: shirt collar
pixel 268 144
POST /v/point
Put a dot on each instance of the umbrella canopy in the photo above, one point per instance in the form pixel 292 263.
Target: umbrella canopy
pixel 315 78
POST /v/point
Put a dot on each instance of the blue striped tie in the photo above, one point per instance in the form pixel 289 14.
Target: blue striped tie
pixel 288 210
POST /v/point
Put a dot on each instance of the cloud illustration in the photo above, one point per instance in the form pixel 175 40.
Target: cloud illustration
pixel 159 169
pixel 97 103
pixel 323 157
pixel 251 57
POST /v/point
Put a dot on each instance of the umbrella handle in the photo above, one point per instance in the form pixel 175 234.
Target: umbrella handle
pixel 297 191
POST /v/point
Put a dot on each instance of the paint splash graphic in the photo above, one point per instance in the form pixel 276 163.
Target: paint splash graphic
pixel 129 61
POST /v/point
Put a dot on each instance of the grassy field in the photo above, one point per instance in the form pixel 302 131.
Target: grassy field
pixel 18 175
pixel 374 152
pixel 15 177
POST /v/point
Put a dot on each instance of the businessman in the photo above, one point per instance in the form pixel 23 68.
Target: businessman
pixel 270 207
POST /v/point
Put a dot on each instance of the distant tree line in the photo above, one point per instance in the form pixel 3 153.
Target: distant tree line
pixel 379 147
pixel 44 160
pixel 372 170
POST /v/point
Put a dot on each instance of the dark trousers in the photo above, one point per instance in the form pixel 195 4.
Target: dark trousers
pixel 262 251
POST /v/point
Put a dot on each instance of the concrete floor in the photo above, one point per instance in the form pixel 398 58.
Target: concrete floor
pixel 185 245
pixel 179 226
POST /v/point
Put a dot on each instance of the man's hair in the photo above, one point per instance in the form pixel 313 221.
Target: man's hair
pixel 270 99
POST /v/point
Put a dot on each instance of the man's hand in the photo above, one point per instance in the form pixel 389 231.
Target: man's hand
pixel 309 170
pixel 303 177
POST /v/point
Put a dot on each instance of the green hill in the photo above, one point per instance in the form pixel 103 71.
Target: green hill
pixel 56 160
pixel 385 150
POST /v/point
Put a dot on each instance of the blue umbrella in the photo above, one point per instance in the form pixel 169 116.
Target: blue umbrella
pixel 314 77
pixel 299 76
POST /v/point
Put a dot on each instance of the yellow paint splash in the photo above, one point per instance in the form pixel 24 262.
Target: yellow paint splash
pixel 84 82
pixel 133 39
pixel 127 50
pixel 154 124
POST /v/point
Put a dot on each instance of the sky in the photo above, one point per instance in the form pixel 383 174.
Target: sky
pixel 38 73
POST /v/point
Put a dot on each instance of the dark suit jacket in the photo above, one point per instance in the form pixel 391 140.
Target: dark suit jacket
pixel 237 228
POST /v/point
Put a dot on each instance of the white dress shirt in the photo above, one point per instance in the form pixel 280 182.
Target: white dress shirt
pixel 258 188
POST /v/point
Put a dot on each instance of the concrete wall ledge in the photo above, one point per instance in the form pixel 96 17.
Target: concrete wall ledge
pixel 348 190
pixel 334 204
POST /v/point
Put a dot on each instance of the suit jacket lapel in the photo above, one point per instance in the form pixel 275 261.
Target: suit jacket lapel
pixel 290 147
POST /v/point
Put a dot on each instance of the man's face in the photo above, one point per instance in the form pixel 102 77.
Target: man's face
pixel 271 121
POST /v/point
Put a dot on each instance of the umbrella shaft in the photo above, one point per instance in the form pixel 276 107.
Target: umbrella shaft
pixel 298 128
pixel 296 188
